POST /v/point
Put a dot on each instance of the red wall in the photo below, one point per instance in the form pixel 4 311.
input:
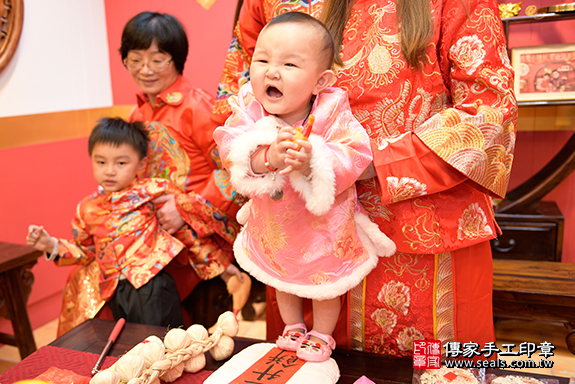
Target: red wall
pixel 41 184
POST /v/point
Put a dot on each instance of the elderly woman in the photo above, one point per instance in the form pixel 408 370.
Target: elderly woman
pixel 154 49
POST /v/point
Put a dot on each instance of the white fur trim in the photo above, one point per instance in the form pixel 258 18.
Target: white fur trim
pixel 383 245
pixel 324 291
pixel 264 132
pixel 318 190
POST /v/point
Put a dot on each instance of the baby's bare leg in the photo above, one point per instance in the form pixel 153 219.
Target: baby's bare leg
pixel 325 315
pixel 291 308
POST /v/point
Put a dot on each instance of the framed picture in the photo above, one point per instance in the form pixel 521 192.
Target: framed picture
pixel 545 72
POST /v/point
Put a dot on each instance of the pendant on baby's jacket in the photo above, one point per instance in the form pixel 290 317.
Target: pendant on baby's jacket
pixel 277 195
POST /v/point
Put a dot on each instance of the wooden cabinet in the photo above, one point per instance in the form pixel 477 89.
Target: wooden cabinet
pixel 536 235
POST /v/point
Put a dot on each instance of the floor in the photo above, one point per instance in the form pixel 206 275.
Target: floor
pixel 507 331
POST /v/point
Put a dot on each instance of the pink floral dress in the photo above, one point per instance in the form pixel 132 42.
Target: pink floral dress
pixel 316 241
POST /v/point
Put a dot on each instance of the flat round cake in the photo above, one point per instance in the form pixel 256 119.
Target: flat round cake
pixel 515 380
pixel 447 376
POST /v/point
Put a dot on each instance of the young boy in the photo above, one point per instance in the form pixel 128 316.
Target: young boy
pixel 305 233
pixel 118 227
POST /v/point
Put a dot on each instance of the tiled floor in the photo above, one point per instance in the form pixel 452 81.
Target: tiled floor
pixel 507 331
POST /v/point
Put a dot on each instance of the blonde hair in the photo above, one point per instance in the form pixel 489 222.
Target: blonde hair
pixel 416 30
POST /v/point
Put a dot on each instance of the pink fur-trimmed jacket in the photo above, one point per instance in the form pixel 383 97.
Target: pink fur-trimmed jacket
pixel 317 241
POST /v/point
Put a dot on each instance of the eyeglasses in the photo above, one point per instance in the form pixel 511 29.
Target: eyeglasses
pixel 135 65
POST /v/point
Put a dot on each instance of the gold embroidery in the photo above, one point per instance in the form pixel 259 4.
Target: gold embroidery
pixel 405 338
pixel 379 60
pixel 444 329
pixel 404 188
pixel 468 53
pixel 425 233
pixel 400 263
pixel 273 238
pixel 380 48
pixel 395 295
pixel 370 198
pixel 384 319
pixel 479 146
pixel 483 20
pixel 319 278
pixel 472 224
pixel 356 317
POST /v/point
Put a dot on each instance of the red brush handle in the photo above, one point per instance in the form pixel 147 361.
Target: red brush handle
pixel 117 328
pixel 308 125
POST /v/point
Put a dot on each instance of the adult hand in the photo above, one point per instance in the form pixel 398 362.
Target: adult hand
pixel 168 215
pixel 230 271
pixel 369 173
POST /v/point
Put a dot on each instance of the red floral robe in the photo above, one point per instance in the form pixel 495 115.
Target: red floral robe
pixel 443 140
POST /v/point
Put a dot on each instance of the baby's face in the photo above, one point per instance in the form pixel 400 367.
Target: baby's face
pixel 115 167
pixel 285 70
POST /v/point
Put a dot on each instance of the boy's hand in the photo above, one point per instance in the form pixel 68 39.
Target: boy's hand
pixel 39 238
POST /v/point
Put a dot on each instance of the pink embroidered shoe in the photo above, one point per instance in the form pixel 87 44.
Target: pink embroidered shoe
pixel 311 351
pixel 290 340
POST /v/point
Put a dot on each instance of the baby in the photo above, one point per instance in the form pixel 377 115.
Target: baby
pixel 305 233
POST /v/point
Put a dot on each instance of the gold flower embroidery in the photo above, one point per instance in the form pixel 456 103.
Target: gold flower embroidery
pixel 396 295
pixel 406 336
pixel 379 59
pixel 371 200
pixel 348 249
pixel 468 53
pixel 473 224
pixel 319 278
pixel 401 263
pixel 404 188
pixel 385 319
pixel 425 233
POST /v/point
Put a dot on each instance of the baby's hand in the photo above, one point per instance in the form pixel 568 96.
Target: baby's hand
pixel 39 238
pixel 298 159
pixel 277 153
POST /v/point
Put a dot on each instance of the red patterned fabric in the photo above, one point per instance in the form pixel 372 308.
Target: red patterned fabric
pixel 81 363
pixel 57 375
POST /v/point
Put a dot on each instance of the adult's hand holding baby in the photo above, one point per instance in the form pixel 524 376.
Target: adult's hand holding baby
pixel 40 239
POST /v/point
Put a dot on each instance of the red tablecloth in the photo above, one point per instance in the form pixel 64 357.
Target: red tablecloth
pixel 78 362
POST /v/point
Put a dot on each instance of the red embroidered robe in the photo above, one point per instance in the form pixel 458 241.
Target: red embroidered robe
pixel 121 233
